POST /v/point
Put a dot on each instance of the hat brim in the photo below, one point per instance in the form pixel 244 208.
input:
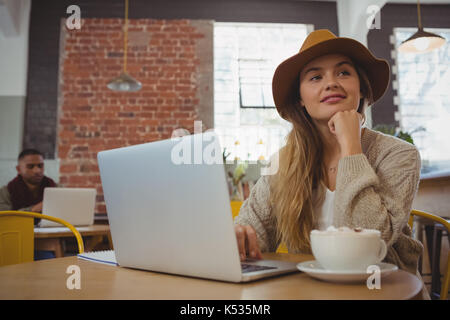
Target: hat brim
pixel 286 75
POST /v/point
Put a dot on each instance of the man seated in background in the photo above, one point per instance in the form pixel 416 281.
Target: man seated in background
pixel 26 191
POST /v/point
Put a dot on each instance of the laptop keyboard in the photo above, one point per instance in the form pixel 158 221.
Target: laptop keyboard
pixel 251 268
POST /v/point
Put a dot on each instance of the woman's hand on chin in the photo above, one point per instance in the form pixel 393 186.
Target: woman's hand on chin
pixel 346 126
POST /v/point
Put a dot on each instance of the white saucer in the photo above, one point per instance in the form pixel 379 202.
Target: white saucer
pixel 315 270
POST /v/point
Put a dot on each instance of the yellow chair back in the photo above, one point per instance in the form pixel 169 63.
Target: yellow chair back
pixel 235 207
pixel 282 248
pixel 17 235
pixel 16 240
pixel 426 215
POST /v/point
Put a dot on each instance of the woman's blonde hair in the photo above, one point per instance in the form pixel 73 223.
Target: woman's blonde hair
pixel 301 172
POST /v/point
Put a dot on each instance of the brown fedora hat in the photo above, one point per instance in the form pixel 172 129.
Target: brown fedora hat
pixel 319 43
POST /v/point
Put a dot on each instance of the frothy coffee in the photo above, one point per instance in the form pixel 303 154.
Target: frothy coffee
pixel 346 230
pixel 347 249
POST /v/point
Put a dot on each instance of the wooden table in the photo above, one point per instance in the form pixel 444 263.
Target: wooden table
pixel 52 238
pixel 47 279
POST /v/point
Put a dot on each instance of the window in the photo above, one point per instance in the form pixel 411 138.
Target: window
pixel 424 99
pixel 245 58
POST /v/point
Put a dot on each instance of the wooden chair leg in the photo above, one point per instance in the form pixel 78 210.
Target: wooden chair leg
pixel 59 252
pixel 419 234
pixel 429 238
pixel 436 264
pixel 92 242
pixel 110 241
pixel 51 244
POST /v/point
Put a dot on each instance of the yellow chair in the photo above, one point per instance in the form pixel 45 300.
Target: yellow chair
pixel 17 236
pixel 282 248
pixel 236 207
pixel 436 219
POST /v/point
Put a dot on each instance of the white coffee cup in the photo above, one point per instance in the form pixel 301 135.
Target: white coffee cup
pixel 347 249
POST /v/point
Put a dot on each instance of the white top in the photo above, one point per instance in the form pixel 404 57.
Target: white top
pixel 325 213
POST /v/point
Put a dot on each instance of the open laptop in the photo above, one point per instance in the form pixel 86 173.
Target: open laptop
pixel 169 210
pixel 74 205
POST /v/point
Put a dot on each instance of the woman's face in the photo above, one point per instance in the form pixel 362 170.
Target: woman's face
pixel 329 84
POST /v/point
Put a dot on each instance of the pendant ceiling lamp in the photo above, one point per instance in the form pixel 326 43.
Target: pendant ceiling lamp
pixel 124 82
pixel 421 41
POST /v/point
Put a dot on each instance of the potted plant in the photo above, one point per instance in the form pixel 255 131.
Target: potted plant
pixel 391 130
pixel 237 193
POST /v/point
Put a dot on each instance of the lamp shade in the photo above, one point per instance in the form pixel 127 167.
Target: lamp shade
pixel 124 83
pixel 421 42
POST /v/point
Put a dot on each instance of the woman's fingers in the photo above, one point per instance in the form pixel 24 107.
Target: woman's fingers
pixel 346 126
pixel 253 248
pixel 332 122
pixel 331 126
pixel 247 242
pixel 240 236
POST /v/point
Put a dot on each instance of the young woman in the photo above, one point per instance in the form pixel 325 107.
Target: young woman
pixel 332 171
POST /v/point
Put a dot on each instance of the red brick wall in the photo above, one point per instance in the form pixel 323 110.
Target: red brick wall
pixel 162 55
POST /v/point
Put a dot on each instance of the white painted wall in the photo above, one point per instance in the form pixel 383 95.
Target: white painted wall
pixel 10 17
pixel 353 16
pixel 14 25
pixel 11 125
pixel 14 51
pixel 13 75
